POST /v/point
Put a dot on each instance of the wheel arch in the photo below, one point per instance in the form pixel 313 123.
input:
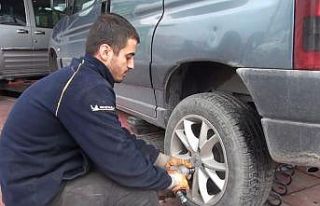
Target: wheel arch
pixel 202 76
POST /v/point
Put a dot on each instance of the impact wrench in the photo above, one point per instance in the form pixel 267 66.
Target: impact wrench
pixel 181 194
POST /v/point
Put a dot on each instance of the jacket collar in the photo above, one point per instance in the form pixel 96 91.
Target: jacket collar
pixel 96 65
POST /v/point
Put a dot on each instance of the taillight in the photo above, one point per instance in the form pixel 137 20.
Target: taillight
pixel 307 35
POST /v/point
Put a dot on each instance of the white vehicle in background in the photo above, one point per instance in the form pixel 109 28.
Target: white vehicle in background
pixel 25 29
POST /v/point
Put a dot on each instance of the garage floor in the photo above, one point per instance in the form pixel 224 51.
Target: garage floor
pixel 303 191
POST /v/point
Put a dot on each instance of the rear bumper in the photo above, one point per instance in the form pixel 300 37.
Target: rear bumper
pixel 289 103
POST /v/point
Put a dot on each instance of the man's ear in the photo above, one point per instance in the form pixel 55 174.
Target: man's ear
pixel 105 53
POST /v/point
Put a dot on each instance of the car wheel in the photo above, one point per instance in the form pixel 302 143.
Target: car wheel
pixel 223 139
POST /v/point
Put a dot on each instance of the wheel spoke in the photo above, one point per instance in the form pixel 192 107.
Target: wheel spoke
pixel 197 140
pixel 206 150
pixel 191 138
pixel 195 185
pixel 214 165
pixel 203 178
pixel 203 134
pixel 215 178
pixel 183 139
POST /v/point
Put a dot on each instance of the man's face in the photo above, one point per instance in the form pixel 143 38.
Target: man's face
pixel 120 64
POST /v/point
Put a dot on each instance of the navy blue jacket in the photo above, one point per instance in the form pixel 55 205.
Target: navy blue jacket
pixel 40 151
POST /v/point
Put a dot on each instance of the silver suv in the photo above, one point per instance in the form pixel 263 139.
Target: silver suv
pixel 25 29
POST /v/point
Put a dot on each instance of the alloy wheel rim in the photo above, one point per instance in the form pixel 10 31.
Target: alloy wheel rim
pixel 196 139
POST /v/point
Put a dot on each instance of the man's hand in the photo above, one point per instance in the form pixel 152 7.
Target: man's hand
pixel 167 162
pixel 173 161
pixel 179 181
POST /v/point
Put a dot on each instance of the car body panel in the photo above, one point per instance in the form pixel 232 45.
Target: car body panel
pixel 289 103
pixel 16 46
pixel 24 48
pixel 264 41
pixel 76 28
pixel 136 92
pixel 40 35
pixel 261 37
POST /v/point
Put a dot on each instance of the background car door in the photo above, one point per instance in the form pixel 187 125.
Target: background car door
pixel 136 92
pixel 41 27
pixel 16 55
pixel 77 26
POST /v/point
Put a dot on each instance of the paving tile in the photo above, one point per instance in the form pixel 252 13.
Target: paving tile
pixel 302 181
pixel 169 202
pixel 305 170
pixel 307 197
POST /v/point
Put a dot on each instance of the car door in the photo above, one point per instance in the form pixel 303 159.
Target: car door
pixel 77 25
pixel 16 55
pixel 136 93
pixel 42 21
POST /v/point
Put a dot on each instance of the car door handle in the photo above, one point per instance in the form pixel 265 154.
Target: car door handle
pixel 22 31
pixel 40 32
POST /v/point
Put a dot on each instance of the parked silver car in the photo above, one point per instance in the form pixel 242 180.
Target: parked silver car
pixel 25 29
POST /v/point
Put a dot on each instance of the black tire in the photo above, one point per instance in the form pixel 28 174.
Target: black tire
pixel 53 63
pixel 249 173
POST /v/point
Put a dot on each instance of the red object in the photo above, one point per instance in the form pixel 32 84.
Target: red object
pixel 307 35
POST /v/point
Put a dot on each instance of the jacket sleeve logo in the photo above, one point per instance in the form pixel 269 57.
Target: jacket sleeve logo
pixel 96 108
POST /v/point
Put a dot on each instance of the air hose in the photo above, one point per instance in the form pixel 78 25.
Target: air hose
pixel 181 195
pixel 282 179
pixel 182 198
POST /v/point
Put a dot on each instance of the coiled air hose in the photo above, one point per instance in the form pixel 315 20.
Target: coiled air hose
pixel 282 179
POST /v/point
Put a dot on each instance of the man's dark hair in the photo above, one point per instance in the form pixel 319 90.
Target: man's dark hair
pixel 111 29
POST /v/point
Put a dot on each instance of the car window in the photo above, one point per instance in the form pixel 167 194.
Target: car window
pixel 80 5
pixel 44 16
pixel 12 12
